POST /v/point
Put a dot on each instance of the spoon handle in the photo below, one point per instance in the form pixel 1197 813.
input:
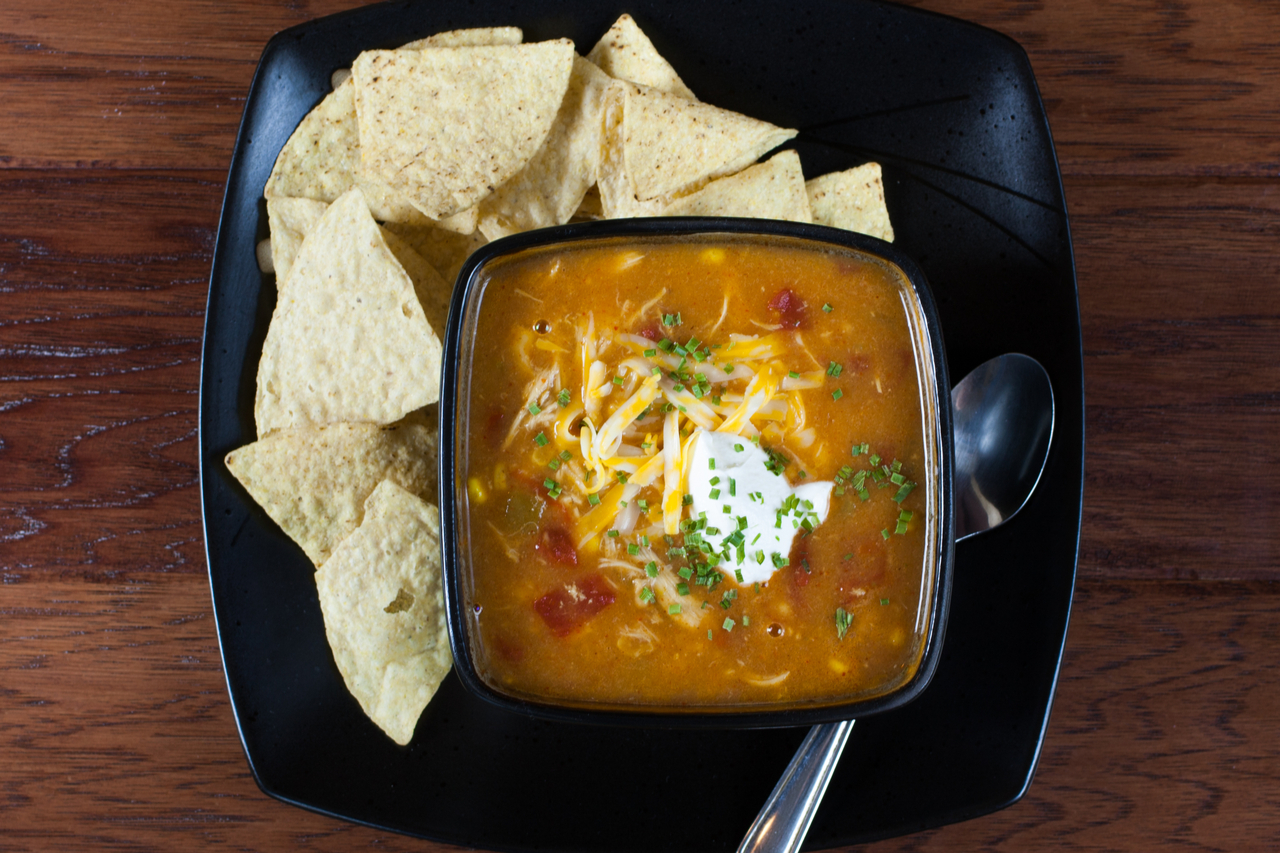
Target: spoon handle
pixel 785 817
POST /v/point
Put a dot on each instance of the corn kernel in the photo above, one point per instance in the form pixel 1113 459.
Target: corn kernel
pixel 712 256
pixel 838 667
pixel 500 477
pixel 475 488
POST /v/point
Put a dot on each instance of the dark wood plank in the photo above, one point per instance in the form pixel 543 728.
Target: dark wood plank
pixel 1181 318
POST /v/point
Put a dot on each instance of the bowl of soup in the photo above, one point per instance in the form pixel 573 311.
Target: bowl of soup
pixel 700 474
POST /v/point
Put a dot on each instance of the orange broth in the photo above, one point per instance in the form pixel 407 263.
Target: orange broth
pixel 580 600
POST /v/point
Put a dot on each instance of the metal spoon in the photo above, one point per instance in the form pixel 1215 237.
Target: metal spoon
pixel 1002 427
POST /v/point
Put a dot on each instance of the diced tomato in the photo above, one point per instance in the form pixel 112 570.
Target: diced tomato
pixel 509 650
pixel 495 426
pixel 651 332
pixel 867 568
pixel 790 308
pixel 555 546
pixel 859 363
pixel 571 606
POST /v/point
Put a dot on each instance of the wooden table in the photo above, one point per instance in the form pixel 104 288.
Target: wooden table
pixel 115 726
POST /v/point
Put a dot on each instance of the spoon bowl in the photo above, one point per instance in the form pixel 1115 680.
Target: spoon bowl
pixel 1002 427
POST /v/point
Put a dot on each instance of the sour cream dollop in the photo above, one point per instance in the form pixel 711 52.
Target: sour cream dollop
pixel 730 482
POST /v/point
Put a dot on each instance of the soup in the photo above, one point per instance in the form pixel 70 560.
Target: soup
pixel 695 474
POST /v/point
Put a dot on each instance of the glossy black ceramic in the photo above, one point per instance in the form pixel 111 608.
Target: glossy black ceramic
pixel 460 355
pixel 952 112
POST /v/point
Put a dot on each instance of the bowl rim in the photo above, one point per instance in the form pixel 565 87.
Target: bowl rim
pixel 465 288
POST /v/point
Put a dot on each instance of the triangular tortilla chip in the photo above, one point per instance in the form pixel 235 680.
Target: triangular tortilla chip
pixel 469 38
pixel 446 126
pixel 443 250
pixel 617 196
pixel 671 144
pixel 321 161
pixel 625 52
pixel 773 189
pixel 852 200
pixel 290 219
pixel 314 482
pixel 348 342
pixel 383 604
pixel 433 291
pixel 320 158
pixel 550 187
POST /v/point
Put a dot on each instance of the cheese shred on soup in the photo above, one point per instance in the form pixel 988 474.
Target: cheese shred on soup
pixel 695 475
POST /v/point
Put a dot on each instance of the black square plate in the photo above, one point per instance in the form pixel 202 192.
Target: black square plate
pixel 952 112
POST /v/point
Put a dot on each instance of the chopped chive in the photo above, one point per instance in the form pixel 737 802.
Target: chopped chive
pixel 650 353
pixel 540 439
pixel 884 601
pixel 612 534
pixel 673 610
pixel 835 369
pixel 714 494
pixel 793 374
pixel 549 483
pixel 843 620
pixel 827 308
pixel 554 464
pixel 728 624
pixel 651 569
pixel 646 595
pixel 733 487
pixel 708 630
pixel 711 464
pixel 534 409
pixel 633 549
pixel 904 491
pixel 617 380
pixel 837 394
pixel 685 573
pixel 593 499
pixel 885 533
pixel 682 588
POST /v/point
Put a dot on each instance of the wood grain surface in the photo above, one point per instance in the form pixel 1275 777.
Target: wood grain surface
pixel 115 726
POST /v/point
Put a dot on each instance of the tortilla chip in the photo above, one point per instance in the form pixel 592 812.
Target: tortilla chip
pixel 290 219
pixel 617 197
pixel 852 200
pixel 550 187
pixel 445 251
pixel 590 208
pixel 671 145
pixel 625 52
pixel 773 189
pixel 469 38
pixel 314 482
pixel 320 157
pixel 433 291
pixel 321 161
pixel 444 127
pixel 348 342
pixel 383 604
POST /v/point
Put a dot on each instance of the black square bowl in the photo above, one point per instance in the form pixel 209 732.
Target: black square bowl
pixel 460 350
